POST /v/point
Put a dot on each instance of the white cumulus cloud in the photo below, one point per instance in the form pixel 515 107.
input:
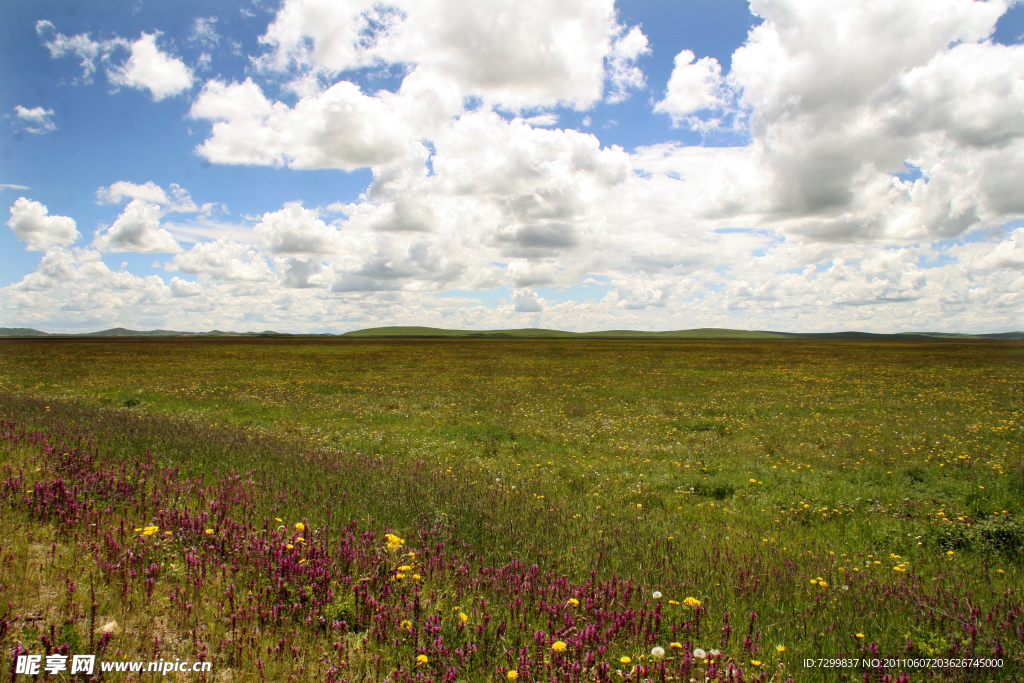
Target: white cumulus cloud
pixel 295 230
pixel 693 86
pixel 224 260
pixel 136 229
pixel 151 69
pixel 32 223
pixel 341 127
pixel 147 67
pixel 524 54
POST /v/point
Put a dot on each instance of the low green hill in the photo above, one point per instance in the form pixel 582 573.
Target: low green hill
pixel 534 333
pixel 527 333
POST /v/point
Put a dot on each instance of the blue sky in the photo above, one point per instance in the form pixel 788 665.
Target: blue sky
pixel 325 166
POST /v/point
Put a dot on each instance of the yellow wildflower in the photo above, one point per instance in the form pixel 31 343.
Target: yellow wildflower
pixel 625 660
pixel 691 602
pixel 150 530
pixel 558 646
pixel 512 675
pixel 300 527
pixel 422 659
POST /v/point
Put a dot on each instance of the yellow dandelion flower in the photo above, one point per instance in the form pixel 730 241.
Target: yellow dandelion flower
pixel 300 527
pixel 780 648
pixel 558 646
pixel 624 660
pixel 404 568
pixel 755 662
pixel 422 659
pixel 463 617
pixel 574 601
pixel 691 602
pixel 209 531
pixel 416 577
pixel 289 546
pixel 406 624
pixel 512 675
pixel 394 541
pixel 278 519
pixel 860 635
pixel 150 530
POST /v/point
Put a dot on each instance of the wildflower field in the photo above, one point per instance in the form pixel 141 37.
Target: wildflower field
pixel 315 509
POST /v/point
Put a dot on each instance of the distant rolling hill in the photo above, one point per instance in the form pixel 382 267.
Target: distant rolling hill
pixel 525 333
pixel 532 333
pixel 21 332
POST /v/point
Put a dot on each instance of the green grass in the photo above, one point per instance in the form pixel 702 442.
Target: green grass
pixel 814 457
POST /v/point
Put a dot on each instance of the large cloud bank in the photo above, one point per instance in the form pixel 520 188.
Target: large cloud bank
pixel 879 187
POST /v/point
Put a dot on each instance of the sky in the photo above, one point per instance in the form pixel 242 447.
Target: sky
pixel 330 165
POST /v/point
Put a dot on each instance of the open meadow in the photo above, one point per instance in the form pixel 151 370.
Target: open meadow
pixel 533 510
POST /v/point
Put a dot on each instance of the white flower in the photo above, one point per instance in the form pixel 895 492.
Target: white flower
pixel 658 652
pixel 657 595
pixel 714 653
pixel 699 653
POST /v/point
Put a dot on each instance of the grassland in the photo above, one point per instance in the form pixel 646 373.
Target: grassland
pixel 811 498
